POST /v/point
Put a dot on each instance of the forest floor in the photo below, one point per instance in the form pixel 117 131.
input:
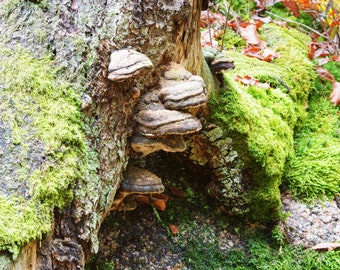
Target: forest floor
pixel 207 238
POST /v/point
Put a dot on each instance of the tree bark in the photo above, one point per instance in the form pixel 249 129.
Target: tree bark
pixel 80 35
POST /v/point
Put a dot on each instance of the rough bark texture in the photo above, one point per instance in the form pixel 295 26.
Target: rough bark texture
pixel 80 35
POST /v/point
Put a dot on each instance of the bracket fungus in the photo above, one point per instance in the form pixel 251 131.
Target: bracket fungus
pixel 136 181
pixel 183 95
pixel 163 113
pixel 156 123
pixel 146 146
pixel 217 61
pixel 127 64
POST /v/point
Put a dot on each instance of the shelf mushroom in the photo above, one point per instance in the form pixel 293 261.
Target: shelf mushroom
pixel 127 64
pixel 146 146
pixel 157 123
pixel 136 181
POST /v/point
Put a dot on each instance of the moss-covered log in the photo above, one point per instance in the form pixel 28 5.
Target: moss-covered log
pixel 247 151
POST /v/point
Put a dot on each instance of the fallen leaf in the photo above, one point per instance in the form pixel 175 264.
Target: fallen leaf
pixel 208 40
pixel 326 246
pixel 269 55
pixel 249 34
pixel 323 61
pixel 209 18
pixel 336 58
pixel 249 80
pixel 335 95
pixel 254 51
pixel 176 192
pixel 324 73
pixel 173 228
pixel 319 49
pixel 292 7
pixel 159 201
pixel 246 80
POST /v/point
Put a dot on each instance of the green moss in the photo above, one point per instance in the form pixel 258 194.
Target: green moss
pixel 314 171
pixel 42 119
pixel 262 121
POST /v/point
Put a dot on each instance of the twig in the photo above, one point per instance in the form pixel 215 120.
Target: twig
pixel 209 26
pixel 298 23
pixel 226 22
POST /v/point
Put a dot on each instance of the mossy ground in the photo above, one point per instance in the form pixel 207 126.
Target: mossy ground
pixel 262 121
pixel 138 240
pixel 314 171
pixel 41 119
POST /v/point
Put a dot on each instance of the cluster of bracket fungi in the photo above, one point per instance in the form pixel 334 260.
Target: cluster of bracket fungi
pixel 163 115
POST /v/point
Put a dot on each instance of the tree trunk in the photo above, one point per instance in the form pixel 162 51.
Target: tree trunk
pixel 80 35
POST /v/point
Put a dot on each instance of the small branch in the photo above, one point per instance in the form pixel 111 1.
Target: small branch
pixel 209 26
pixel 226 22
pixel 301 24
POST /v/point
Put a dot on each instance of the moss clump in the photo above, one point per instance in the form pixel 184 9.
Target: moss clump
pixel 314 171
pixel 262 121
pixel 44 151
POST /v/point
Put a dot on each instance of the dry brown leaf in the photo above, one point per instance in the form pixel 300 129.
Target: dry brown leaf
pixel 210 18
pixel 255 51
pixel 326 246
pixel 336 58
pixel 269 55
pixel 208 40
pixel 324 73
pixel 335 95
pixel 292 6
pixel 249 33
pixel 249 80
pixel 323 61
pixel 176 192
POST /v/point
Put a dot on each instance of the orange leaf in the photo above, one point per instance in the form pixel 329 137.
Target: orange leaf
pixel 173 228
pixel 159 201
pixel 335 95
pixel 324 73
pixel 336 58
pixel 292 6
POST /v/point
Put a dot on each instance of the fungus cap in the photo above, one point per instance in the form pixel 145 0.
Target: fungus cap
pixel 127 63
pixel 170 143
pixel 140 181
pixel 156 123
